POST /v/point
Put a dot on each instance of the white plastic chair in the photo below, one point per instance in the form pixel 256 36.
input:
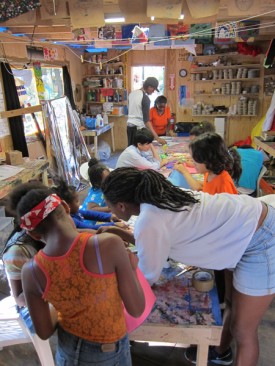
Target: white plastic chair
pixel 14 331
pixel 243 190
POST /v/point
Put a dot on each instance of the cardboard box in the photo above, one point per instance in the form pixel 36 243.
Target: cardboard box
pixel 14 157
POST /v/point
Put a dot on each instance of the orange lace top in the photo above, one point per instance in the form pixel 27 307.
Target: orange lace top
pixel 89 304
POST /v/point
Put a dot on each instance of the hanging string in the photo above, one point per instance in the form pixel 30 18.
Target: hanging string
pixel 199 33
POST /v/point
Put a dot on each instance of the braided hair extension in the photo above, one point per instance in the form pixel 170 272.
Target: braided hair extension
pixel 145 186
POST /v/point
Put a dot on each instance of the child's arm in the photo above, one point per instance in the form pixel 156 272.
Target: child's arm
pixel 86 225
pixel 115 256
pixel 194 184
pixel 124 234
pixel 95 215
pixel 39 309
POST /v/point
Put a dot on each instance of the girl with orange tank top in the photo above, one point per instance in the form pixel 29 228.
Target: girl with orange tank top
pixel 85 278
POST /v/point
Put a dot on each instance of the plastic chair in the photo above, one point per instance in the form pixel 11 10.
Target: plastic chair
pixel 14 331
pixel 251 192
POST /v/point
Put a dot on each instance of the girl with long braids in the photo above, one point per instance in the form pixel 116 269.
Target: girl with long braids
pixel 85 278
pixel 209 231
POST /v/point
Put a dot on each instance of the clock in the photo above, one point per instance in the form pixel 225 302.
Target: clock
pixel 182 73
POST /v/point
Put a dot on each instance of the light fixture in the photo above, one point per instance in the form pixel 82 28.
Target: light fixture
pixel 152 18
pixel 181 16
pixel 115 20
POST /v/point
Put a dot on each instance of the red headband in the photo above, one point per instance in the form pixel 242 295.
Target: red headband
pixel 31 219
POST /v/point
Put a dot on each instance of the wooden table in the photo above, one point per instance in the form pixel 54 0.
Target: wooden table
pixel 32 169
pixel 177 149
pixel 97 132
pixel 182 315
pixel 267 146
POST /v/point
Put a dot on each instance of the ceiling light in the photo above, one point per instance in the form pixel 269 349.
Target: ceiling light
pixel 181 16
pixel 115 20
pixel 152 18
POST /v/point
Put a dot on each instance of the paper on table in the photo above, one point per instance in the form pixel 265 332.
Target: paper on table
pixel 7 171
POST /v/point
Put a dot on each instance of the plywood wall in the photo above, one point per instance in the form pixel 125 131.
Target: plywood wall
pixel 14 50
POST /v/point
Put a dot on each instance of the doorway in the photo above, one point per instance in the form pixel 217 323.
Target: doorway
pixel 140 73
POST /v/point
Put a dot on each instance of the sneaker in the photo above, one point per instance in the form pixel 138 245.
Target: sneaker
pixel 214 357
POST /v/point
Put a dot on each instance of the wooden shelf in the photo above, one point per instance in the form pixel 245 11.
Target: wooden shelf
pixel 196 70
pixel 224 115
pixel 225 95
pixel 224 80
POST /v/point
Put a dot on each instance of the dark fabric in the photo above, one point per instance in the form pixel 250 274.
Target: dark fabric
pixel 68 86
pixel 145 106
pixel 131 134
pixel 12 102
pixel 11 9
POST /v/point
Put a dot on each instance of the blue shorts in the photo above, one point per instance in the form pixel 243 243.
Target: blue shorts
pixel 75 351
pixel 255 273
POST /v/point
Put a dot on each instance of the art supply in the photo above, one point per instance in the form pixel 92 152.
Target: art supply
pixel 203 281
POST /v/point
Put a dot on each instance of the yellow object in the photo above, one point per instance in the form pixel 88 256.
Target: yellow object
pixel 257 131
pixel 164 147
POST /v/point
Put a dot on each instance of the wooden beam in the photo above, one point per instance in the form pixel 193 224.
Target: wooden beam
pixel 21 111
pixel 41 29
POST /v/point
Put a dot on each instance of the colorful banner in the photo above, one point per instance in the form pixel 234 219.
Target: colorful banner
pixel 38 80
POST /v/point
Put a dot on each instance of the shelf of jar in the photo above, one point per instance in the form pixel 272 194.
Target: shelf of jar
pixel 226 95
pixel 198 69
pixel 224 115
pixel 224 80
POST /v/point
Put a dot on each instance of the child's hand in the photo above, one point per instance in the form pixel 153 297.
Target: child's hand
pixel 114 218
pixel 161 141
pixel 180 168
pixel 122 225
pixel 104 229
pixel 133 259
pixel 190 162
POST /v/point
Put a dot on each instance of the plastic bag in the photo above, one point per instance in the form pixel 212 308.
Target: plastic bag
pixel 150 299
pixel 103 150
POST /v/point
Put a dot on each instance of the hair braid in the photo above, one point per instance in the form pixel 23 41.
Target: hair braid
pixel 145 186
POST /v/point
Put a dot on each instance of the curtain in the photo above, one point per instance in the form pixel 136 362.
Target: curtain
pixel 12 102
pixel 68 92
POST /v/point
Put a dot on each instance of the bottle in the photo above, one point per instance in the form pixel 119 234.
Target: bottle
pixel 99 120
pixel 105 118
pixel 89 96
pixel 93 96
pixel 172 122
pixel 116 96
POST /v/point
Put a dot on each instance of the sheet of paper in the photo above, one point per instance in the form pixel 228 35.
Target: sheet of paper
pixel 7 171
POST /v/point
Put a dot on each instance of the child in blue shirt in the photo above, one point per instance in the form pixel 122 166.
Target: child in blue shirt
pixel 97 172
pixel 83 219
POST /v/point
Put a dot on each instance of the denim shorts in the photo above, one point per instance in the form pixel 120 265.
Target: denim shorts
pixel 75 351
pixel 255 273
